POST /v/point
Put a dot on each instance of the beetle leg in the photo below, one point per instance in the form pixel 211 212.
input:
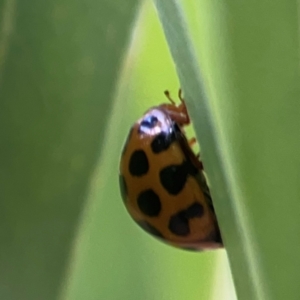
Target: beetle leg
pixel 192 142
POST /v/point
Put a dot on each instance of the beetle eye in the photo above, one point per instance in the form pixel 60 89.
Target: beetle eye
pixel 149 122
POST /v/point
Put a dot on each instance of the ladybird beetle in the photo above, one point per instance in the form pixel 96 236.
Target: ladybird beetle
pixel 162 182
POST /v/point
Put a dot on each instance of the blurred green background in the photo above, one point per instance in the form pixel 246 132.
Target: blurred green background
pixel 74 75
pixel 70 88
pixel 114 259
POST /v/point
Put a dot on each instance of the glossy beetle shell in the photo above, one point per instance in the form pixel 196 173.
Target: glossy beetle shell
pixel 162 183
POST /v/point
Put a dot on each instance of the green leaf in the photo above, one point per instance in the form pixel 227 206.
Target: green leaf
pixel 59 64
pixel 113 258
pixel 245 107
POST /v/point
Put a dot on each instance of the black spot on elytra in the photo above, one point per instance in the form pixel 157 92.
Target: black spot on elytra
pixel 149 203
pixel 149 122
pixel 138 164
pixel 162 142
pixel 150 229
pixel 123 187
pixel 195 211
pixel 179 223
pixel 173 178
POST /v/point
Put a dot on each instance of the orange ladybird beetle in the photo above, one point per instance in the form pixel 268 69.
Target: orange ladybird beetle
pixel 162 181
